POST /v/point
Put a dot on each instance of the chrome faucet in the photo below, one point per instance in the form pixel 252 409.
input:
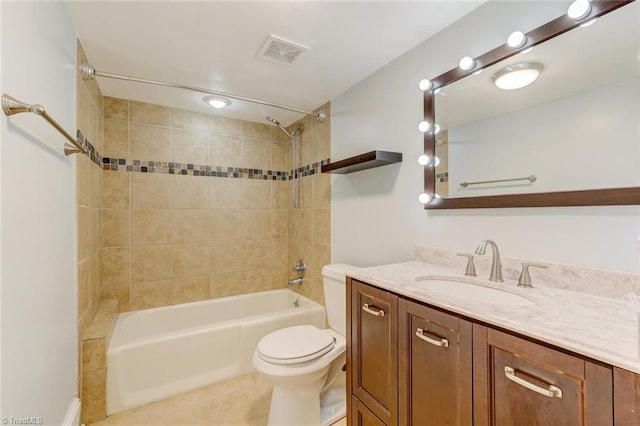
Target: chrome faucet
pixel 496 264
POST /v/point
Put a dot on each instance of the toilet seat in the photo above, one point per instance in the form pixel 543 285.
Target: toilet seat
pixel 294 345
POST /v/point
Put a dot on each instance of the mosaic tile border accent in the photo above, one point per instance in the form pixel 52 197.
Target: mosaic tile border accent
pixel 188 169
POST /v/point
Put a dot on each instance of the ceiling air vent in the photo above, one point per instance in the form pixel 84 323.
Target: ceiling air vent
pixel 280 50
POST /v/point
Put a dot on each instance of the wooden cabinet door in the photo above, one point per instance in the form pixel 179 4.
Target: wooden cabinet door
pixel 362 416
pixel 518 382
pixel 435 367
pixel 374 350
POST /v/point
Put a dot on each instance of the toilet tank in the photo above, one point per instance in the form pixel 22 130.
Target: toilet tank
pixel 335 298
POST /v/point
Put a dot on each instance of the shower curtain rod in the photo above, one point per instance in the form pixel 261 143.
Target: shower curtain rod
pixel 88 72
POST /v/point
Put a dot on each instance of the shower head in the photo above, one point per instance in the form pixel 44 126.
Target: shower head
pixel 277 123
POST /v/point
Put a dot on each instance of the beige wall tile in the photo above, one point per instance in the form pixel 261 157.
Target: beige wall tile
pixel 256 194
pixel 321 254
pixel 278 156
pixel 149 113
pixel 151 263
pixel 257 224
pixel 95 180
pixel 281 195
pixel 116 139
pixel 280 278
pixel 306 192
pixel 321 144
pixel 293 223
pixel 224 284
pixel 120 292
pixel 305 252
pixel 83 183
pixel 306 148
pixel 116 108
pixel 149 142
pixel 150 191
pixel 226 257
pixel 305 225
pixel 190 226
pixel 190 192
pixel 256 154
pixel 151 227
pixel 189 119
pixel 94 396
pixel 189 146
pixel 87 223
pixel 85 275
pixel 225 193
pixel 94 355
pixel 227 225
pixel 279 221
pixel 257 254
pixel 190 259
pixel 225 150
pixel 225 126
pixel 279 258
pixel 191 289
pixel 115 227
pixel 149 294
pixel 115 266
pixel 321 226
pixel 254 130
pixel 115 190
pixel 256 280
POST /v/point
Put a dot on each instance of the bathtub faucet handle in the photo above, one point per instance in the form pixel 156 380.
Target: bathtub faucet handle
pixel 300 268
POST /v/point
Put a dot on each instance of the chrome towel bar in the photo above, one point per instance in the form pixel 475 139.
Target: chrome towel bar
pixel 11 105
pixel 531 178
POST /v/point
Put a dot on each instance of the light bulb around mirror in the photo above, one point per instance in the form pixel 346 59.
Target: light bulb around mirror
pixel 425 160
pixel 424 198
pixel 466 63
pixel 527 50
pixel 516 39
pixel 589 23
pixel 579 9
pixel 424 126
pixel 436 129
pixel 425 84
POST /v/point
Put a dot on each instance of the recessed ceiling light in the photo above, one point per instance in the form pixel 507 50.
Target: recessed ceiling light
pixel 217 102
pixel 517 75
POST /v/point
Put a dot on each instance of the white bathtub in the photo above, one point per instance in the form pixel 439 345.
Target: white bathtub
pixel 161 352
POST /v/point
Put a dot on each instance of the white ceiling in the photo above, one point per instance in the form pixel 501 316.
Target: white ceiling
pixel 215 45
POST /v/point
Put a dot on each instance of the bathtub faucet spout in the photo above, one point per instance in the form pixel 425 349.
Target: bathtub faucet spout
pixel 295 281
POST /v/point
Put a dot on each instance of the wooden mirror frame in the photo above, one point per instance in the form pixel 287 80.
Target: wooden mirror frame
pixel 592 197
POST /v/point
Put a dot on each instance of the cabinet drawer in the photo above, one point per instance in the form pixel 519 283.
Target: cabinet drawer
pixel 362 416
pixel 435 367
pixel 529 384
pixel 374 344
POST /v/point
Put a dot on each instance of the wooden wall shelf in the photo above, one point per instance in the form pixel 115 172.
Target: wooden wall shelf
pixel 365 161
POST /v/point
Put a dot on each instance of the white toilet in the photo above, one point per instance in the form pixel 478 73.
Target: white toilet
pixel 305 364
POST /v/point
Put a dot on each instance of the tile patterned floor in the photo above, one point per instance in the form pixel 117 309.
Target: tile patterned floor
pixel 241 401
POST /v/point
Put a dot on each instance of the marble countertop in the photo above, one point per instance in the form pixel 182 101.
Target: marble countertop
pixel 598 327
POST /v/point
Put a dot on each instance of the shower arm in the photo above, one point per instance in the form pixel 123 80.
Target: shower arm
pixel 88 72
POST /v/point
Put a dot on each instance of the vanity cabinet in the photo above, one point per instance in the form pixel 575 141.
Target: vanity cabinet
pixel 435 349
pixel 517 381
pixel 413 364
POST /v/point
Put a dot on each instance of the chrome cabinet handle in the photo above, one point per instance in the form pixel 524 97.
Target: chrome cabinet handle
pixel 553 391
pixel 442 342
pixel 377 313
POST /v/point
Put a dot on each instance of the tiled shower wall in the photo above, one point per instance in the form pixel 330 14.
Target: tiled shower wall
pixel 309 227
pixel 89 121
pixel 196 206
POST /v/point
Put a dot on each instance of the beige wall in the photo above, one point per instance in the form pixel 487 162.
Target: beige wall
pixel 88 198
pixel 172 238
pixel 309 230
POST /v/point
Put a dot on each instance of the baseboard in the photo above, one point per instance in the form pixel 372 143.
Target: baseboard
pixel 73 414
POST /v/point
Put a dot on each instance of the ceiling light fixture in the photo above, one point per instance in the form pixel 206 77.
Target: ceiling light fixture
pixel 517 75
pixel 579 9
pixel 516 39
pixel 217 102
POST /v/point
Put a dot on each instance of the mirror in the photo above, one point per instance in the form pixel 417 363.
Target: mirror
pixel 569 138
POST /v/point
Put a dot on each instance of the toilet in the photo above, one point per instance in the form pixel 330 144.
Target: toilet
pixel 305 364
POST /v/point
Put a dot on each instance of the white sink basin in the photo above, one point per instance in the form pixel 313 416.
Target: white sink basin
pixel 471 291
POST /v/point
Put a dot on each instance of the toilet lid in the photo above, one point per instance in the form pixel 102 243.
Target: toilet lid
pixel 295 344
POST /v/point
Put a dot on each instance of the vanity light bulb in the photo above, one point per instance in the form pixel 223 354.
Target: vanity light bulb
pixel 436 129
pixel 478 72
pixel 527 50
pixel 424 160
pixel 467 63
pixel 424 126
pixel 424 84
pixel 579 9
pixel 435 92
pixel 589 23
pixel 436 161
pixel 424 198
pixel 516 39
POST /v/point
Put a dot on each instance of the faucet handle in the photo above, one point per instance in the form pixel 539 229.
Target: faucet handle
pixel 471 267
pixel 525 279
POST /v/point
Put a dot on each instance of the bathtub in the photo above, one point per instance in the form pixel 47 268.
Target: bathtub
pixel 160 352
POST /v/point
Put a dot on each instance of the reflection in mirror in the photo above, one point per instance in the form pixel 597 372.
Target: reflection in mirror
pixel 573 128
